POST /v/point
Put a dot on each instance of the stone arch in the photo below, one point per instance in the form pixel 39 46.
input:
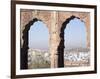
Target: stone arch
pixel 25 47
pixel 27 15
pixel 83 16
pixel 61 45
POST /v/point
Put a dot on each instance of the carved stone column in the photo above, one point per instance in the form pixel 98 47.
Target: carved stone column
pixel 54 39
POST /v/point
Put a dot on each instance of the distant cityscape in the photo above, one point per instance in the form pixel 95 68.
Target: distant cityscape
pixel 72 58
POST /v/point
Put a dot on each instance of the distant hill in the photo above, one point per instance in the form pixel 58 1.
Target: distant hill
pixel 77 50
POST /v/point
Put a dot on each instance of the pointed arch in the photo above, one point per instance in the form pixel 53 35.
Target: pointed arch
pixel 25 46
pixel 61 45
pixel 75 34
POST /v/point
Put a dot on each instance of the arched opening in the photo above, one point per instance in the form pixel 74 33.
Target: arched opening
pixel 38 54
pixel 32 40
pixel 76 51
pixel 75 34
pixel 76 40
pixel 24 48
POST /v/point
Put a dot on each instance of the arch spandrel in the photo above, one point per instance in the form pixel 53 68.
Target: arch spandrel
pixel 64 15
pixel 26 16
pixel 44 16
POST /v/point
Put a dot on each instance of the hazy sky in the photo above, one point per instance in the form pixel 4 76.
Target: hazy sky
pixel 39 36
pixel 75 35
